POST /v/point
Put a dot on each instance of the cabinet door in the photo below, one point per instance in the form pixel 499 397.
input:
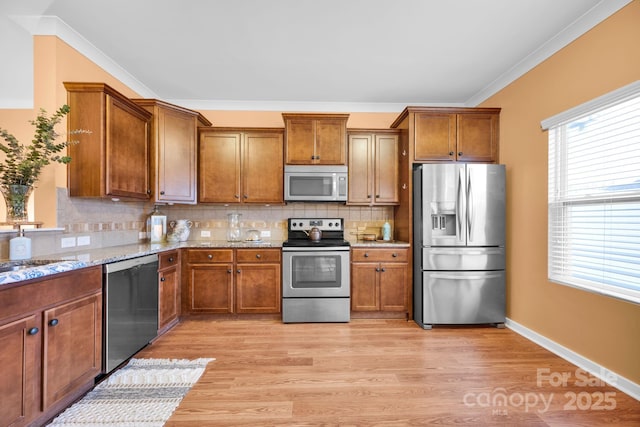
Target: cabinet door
pixel 364 286
pixel 176 157
pixel 331 142
pixel 361 173
pixel 127 151
pixel 478 138
pixel 393 287
pixel 20 347
pixel 210 288
pixel 262 168
pixel 258 288
pixel 168 294
pixel 435 136
pixel 386 169
pixel 219 163
pixel 72 347
pixel 300 141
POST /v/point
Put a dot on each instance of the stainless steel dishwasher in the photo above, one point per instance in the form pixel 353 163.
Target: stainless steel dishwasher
pixel 131 308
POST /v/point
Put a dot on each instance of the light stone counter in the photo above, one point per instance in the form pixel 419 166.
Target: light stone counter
pixel 74 260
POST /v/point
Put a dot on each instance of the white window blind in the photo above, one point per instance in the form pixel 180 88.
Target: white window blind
pixel 594 195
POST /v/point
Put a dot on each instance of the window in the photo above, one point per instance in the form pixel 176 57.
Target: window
pixel 594 195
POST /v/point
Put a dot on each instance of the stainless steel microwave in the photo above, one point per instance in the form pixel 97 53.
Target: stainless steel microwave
pixel 315 183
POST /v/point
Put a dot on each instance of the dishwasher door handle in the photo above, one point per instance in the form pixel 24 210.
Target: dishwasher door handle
pixel 129 263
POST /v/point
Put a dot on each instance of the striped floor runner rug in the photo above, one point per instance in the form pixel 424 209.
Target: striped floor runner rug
pixel 144 393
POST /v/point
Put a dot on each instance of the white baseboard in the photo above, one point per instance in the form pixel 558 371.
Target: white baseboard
pixel 621 383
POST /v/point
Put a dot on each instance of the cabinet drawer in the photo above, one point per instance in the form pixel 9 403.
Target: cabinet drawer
pixel 210 255
pixel 167 259
pixel 258 255
pixel 380 255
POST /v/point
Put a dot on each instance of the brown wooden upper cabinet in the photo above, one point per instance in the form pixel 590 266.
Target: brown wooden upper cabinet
pixel 452 134
pixel 373 167
pixel 113 160
pixel 315 139
pixel 174 139
pixel 241 165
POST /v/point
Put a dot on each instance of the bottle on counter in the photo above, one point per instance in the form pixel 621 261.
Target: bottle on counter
pixel 20 247
pixel 386 231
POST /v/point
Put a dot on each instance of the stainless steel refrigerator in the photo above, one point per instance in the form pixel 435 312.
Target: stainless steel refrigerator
pixel 459 238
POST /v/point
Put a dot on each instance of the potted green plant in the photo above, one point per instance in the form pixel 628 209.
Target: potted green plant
pixel 23 164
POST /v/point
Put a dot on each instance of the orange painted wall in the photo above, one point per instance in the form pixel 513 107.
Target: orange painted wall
pixel 602 329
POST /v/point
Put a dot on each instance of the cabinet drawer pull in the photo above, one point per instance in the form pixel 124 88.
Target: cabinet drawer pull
pixel 33 331
pixel 53 322
pixel 210 256
pixel 258 256
pixel 366 255
pixel 395 255
pixel 170 259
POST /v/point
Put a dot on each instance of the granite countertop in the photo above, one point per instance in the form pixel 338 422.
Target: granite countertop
pixel 380 244
pixel 59 263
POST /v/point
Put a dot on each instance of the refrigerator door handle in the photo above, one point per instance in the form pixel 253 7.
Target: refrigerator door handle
pixel 469 208
pixel 453 276
pixel 459 206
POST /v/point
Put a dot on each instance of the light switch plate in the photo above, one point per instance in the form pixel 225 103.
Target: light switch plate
pixel 67 242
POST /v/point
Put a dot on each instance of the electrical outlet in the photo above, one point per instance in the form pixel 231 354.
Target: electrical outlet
pixel 84 240
pixel 67 242
pixel 142 235
pixel 205 233
pixel 265 233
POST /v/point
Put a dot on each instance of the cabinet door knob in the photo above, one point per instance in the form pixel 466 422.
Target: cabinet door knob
pixel 162 193
pixel 229 270
pixel 171 259
pixel 258 256
pixel 245 196
pixel 210 256
pixel 377 269
pixel 459 153
pixel 237 196
pixel 377 196
pixel 368 196
pixel 383 270
pixel 451 153
pixel 238 271
pixel 162 279
pixel 53 322
pixel 33 331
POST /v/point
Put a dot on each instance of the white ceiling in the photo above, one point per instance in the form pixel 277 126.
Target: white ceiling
pixel 340 55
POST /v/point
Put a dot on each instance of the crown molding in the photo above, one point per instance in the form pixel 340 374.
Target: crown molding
pixel 46 25
pixel 590 19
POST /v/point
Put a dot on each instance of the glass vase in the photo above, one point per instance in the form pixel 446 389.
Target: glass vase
pixel 16 197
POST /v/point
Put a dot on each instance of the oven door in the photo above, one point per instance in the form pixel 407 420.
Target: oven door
pixel 315 272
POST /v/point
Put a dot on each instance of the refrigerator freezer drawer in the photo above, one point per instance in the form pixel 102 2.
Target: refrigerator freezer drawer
pixel 446 259
pixel 454 297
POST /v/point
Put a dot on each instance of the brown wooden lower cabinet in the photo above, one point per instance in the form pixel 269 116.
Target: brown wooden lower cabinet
pixel 50 344
pixel 168 290
pixel 379 280
pixel 231 281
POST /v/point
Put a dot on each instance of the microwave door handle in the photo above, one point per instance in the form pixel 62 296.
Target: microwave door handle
pixel 335 186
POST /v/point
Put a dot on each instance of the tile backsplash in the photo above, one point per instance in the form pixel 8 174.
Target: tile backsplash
pixel 97 223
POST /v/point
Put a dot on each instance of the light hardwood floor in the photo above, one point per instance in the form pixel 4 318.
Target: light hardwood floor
pixel 381 372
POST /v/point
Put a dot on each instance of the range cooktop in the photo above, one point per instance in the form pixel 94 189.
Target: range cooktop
pixel 332 232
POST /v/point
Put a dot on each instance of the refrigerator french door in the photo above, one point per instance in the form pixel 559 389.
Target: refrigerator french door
pixel 459 237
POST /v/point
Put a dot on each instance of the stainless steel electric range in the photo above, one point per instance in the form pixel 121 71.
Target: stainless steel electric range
pixel 315 272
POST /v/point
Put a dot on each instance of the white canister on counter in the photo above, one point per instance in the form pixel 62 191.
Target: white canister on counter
pixel 20 247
